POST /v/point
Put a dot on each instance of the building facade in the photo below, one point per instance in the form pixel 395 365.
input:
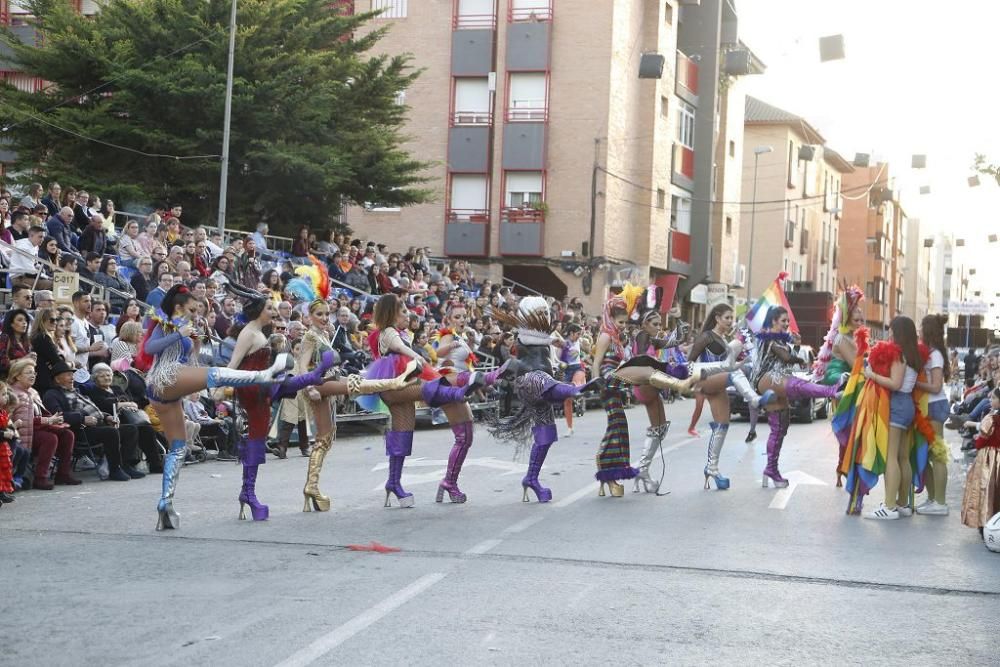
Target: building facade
pixel 921 289
pixel 792 191
pixel 566 139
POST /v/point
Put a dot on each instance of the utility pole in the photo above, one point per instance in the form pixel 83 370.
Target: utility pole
pixel 224 172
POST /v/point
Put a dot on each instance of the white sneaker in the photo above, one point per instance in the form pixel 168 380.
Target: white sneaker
pixel 568 433
pixel 905 511
pixel 882 513
pixel 85 463
pixel 933 509
pixel 924 505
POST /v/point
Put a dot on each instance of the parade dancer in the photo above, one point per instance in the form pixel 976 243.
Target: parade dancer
pixel 836 359
pixel 717 370
pixel 316 348
pixel 775 365
pixel 621 371
pixel 536 389
pixel 392 358
pixel 166 351
pixel 456 362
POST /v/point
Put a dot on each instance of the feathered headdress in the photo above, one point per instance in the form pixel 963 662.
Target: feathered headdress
pixel 531 320
pixel 626 300
pixel 850 297
pixel 312 283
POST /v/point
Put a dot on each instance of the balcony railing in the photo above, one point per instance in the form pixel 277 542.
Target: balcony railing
pixel 527 111
pixel 543 12
pixel 472 118
pixel 687 73
pixel 522 214
pixel 683 158
pixel 473 21
pixel 474 215
pixel 680 246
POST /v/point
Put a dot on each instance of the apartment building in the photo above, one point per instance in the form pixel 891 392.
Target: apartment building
pixel 793 202
pixel 920 287
pixel 873 243
pixel 565 159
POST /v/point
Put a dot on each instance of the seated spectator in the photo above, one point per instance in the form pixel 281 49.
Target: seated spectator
pixel 87 420
pixel 219 428
pixel 222 270
pixel 43 299
pixel 51 200
pixel 127 344
pixel 94 238
pixel 114 401
pixel 131 313
pixel 60 227
pixel 14 341
pixel 129 248
pixel 33 196
pixel 300 246
pixel 24 266
pixel 119 290
pixel 45 346
pixel 164 282
pixel 89 271
pixel 175 255
pixel 42 433
pixel 20 297
pixel 142 279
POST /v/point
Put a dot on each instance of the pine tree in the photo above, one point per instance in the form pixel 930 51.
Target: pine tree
pixel 315 118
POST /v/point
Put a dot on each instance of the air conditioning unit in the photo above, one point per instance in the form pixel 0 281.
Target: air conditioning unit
pixel 741 276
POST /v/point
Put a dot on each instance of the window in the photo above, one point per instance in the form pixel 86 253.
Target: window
pixel 472 101
pixel 729 226
pixel 680 214
pixel 527 96
pixel 732 148
pixel 685 124
pixel 661 199
pixel 400 98
pixel 665 106
pixel 523 189
pixel 789 234
pixel 391 9
pixel 469 196
pixel 668 13
pixel 793 166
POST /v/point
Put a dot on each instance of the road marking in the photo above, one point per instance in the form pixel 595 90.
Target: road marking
pixel 483 547
pixel 580 493
pixel 342 633
pixel 795 478
pixel 523 524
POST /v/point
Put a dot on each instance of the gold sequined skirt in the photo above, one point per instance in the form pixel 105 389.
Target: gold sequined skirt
pixel 982 488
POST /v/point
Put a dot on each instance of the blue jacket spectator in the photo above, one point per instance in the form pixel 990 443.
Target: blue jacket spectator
pixel 58 227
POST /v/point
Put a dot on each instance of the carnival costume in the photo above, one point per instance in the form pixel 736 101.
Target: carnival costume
pixel 312 285
pixel 830 369
pixel 536 390
pixel 715 356
pixel 865 456
pixel 164 350
pixel 981 500
pixel 776 361
pixel 457 365
pixel 434 390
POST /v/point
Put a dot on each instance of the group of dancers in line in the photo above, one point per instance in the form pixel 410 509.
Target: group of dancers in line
pixel 881 417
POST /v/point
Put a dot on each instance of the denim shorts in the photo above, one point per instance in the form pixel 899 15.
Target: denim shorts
pixel 938 411
pixel 901 410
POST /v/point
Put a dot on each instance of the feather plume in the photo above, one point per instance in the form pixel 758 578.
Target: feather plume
pixel 323 284
pixel 301 288
pixel 630 295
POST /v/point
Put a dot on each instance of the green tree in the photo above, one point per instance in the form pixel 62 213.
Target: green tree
pixel 315 118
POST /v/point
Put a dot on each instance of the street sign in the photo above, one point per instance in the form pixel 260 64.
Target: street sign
pixel 64 285
pixel 968 307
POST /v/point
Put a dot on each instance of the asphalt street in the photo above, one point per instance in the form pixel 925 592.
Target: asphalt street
pixel 744 576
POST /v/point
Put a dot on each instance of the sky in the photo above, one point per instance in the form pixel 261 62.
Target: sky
pixel 919 77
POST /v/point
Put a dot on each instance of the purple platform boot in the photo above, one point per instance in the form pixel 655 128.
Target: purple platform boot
pixel 544 436
pixel 774 442
pixel 438 392
pixel 293 385
pixel 398 445
pixel 252 455
pixel 796 388
pixel 463 441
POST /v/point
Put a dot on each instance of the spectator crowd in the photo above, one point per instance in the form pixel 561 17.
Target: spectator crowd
pixel 75 402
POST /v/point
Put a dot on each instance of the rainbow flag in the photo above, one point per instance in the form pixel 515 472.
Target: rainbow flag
pixel 773 296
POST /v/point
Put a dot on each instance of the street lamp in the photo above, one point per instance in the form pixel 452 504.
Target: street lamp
pixel 227 121
pixel 757 152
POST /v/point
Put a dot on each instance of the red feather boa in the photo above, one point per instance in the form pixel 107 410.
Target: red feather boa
pixel 883 356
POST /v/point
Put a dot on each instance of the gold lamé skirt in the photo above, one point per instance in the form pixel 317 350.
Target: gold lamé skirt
pixel 982 488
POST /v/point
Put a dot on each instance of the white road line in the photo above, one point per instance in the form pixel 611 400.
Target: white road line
pixel 342 633
pixel 523 524
pixel 483 547
pixel 580 493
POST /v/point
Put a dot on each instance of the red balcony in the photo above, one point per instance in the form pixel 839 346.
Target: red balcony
pixel 540 13
pixel 472 118
pixel 687 73
pixel 520 214
pixel 522 232
pixel 680 247
pixel 461 20
pixel 683 161
pixel 474 215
